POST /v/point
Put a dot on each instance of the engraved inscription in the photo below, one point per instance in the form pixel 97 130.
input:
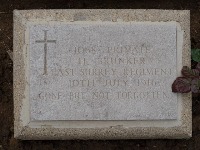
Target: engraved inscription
pixel 103 71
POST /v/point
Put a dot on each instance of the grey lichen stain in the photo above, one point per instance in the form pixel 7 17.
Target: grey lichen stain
pixel 117 126
pixel 107 19
pixel 79 17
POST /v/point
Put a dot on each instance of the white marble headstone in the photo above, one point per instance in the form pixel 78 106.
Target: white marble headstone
pixel 100 74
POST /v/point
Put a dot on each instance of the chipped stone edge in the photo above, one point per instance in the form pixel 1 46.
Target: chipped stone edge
pixel 22 130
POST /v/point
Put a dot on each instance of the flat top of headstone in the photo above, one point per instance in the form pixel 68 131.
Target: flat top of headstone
pixel 102 71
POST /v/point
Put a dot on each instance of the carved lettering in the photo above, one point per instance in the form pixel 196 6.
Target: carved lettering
pixel 82 83
pixel 76 95
pixel 121 60
pixel 49 95
pixel 115 83
pixel 147 71
pixel 101 95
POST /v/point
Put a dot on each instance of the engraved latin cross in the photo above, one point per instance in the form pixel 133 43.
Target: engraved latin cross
pixel 45 41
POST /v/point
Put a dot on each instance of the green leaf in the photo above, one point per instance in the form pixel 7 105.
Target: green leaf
pixel 196 55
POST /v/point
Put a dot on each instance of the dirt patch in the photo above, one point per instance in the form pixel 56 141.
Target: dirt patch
pixel 6 74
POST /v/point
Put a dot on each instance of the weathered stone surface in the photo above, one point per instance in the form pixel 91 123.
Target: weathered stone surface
pixel 102 71
pixel 102 74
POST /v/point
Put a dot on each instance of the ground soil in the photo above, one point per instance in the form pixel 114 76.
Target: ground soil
pixel 6 74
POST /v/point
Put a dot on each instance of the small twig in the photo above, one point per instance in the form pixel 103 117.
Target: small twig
pixel 10 53
pixel 5 34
